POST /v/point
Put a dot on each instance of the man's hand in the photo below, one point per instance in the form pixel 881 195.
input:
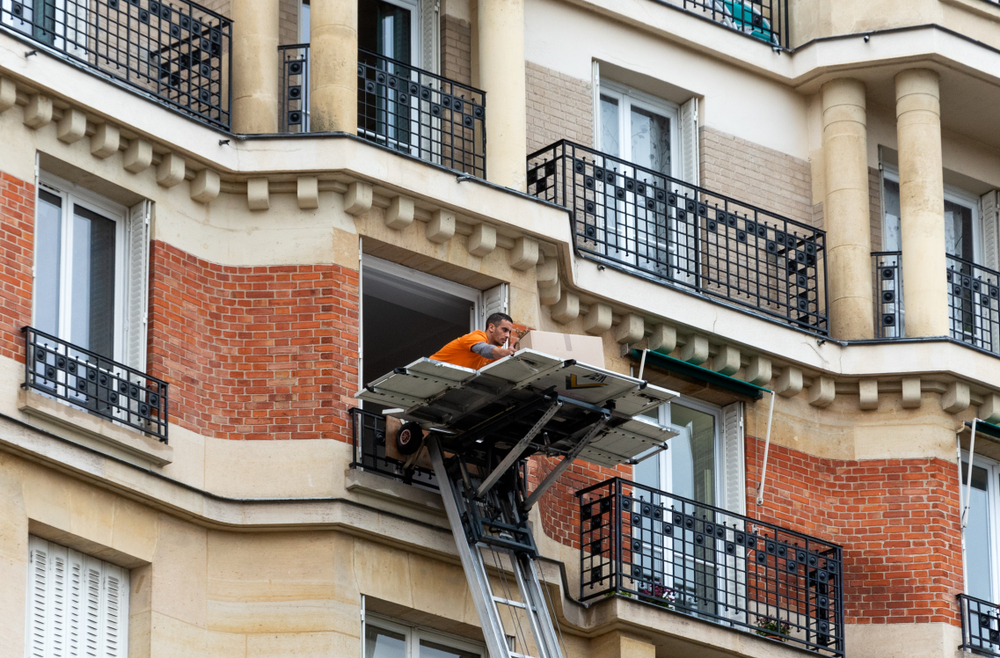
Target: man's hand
pixel 501 352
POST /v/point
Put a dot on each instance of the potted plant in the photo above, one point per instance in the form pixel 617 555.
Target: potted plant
pixel 661 595
pixel 772 627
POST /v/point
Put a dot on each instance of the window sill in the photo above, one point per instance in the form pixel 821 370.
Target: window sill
pixel 82 425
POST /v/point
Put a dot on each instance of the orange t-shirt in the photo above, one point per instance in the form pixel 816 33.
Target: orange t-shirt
pixel 459 351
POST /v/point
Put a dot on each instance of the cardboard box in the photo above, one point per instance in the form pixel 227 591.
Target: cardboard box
pixel 585 349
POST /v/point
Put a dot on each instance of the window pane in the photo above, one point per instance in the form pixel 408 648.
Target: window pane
pixel 430 649
pixel 49 265
pixel 958 230
pixel 380 643
pixel 890 239
pixel 977 534
pixel 693 454
pixel 610 142
pixel 93 285
pixel 651 140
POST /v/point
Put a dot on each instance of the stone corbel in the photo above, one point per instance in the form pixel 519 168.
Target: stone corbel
pixel 307 192
pixel 205 186
pixel 695 350
pixel 956 398
pixel 258 194
pixel 822 392
pixel 105 142
pixel 138 156
pixel 989 410
pixel 399 214
pixel 524 255
pixel 663 339
pixel 8 94
pixel 758 371
pixel 868 394
pixel 727 360
pixel 566 309
pixel 358 198
pixel 170 171
pixel 598 320
pixel 789 383
pixel 483 240
pixel 72 126
pixel 911 393
pixel 441 228
pixel 38 112
pixel 631 329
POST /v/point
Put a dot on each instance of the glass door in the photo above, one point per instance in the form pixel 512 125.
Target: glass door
pixel 388 29
pixel 982 534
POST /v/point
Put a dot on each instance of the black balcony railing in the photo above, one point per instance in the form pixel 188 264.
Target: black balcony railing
pixel 294 88
pixel 425 115
pixel 369 451
pixel 980 625
pixel 646 223
pixel 95 383
pixel 888 279
pixel 178 53
pixel 699 560
pixel 766 20
pixel 974 304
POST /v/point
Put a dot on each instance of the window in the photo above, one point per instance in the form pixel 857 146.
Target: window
pixel 55 23
pixel 388 639
pixel 91 271
pixel 77 604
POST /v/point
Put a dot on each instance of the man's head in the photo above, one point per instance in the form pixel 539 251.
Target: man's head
pixel 498 328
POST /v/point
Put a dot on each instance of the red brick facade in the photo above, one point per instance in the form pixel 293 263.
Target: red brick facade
pixel 897 519
pixel 17 230
pixel 254 352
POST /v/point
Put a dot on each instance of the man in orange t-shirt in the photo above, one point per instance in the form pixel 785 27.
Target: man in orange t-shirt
pixel 479 348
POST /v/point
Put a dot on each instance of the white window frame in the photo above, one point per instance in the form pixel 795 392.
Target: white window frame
pixel 71 195
pixel 414 634
pixel 666 456
pixel 993 496
pixel 963 198
pixel 627 97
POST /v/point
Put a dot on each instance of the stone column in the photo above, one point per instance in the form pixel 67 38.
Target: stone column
pixel 333 58
pixel 255 66
pixel 921 200
pixel 846 209
pixel 501 75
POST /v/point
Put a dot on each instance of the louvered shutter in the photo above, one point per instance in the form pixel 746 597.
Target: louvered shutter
pixel 734 487
pixel 137 286
pixel 690 157
pixel 77 605
pixel 494 301
pixel 430 26
pixel 990 206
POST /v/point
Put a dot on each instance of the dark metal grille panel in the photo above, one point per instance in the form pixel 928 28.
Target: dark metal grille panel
pixel 652 225
pixel 369 451
pixel 294 88
pixel 974 304
pixel 429 117
pixel 888 278
pixel 766 20
pixel 703 561
pixel 178 53
pixel 92 382
pixel 980 625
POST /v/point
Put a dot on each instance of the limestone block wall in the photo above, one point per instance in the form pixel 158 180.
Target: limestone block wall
pixel 756 174
pixel 254 352
pixel 17 229
pixel 559 106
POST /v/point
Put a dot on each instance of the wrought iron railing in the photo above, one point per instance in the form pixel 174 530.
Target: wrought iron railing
pixel 646 223
pixel 980 625
pixel 369 434
pixel 888 279
pixel 425 115
pixel 974 304
pixel 703 561
pixel 766 20
pixel 178 53
pixel 95 383
pixel 294 88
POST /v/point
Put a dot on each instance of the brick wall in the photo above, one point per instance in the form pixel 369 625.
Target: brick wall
pixel 896 519
pixel 757 175
pixel 254 352
pixel 875 207
pixel 17 230
pixel 559 107
pixel 288 23
pixel 456 49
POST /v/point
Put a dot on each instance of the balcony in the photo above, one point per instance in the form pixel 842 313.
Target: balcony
pixel 766 20
pixel 400 107
pixel 973 301
pixel 368 430
pixel 650 225
pixel 96 384
pixel 980 626
pixel 697 560
pixel 178 54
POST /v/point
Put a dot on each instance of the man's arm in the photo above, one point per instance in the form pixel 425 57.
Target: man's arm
pixel 494 352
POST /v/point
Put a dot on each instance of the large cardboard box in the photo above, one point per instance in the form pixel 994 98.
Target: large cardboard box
pixel 585 349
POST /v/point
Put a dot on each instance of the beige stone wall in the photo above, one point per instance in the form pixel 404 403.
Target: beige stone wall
pixel 288 23
pixel 757 175
pixel 559 107
pixel 456 50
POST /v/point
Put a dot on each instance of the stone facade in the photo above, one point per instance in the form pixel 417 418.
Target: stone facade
pixel 559 107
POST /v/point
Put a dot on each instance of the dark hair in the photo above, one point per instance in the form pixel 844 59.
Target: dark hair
pixel 496 318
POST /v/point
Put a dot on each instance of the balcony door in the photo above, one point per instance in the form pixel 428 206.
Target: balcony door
pixel 981 560
pixel 56 23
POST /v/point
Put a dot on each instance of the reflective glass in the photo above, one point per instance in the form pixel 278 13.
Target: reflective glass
pixel 610 121
pixel 977 534
pixel 380 643
pixel 650 140
pixel 693 454
pixel 430 649
pixel 49 264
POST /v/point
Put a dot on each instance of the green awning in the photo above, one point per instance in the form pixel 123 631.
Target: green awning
pixel 982 427
pixel 726 382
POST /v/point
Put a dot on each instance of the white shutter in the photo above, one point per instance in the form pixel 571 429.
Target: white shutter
pixel 991 232
pixel 137 285
pixel 733 473
pixel 430 28
pixel 494 301
pixel 690 158
pixel 596 109
pixel 77 605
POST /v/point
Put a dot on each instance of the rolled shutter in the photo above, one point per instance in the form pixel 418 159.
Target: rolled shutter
pixel 137 285
pixel 733 471
pixel 690 158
